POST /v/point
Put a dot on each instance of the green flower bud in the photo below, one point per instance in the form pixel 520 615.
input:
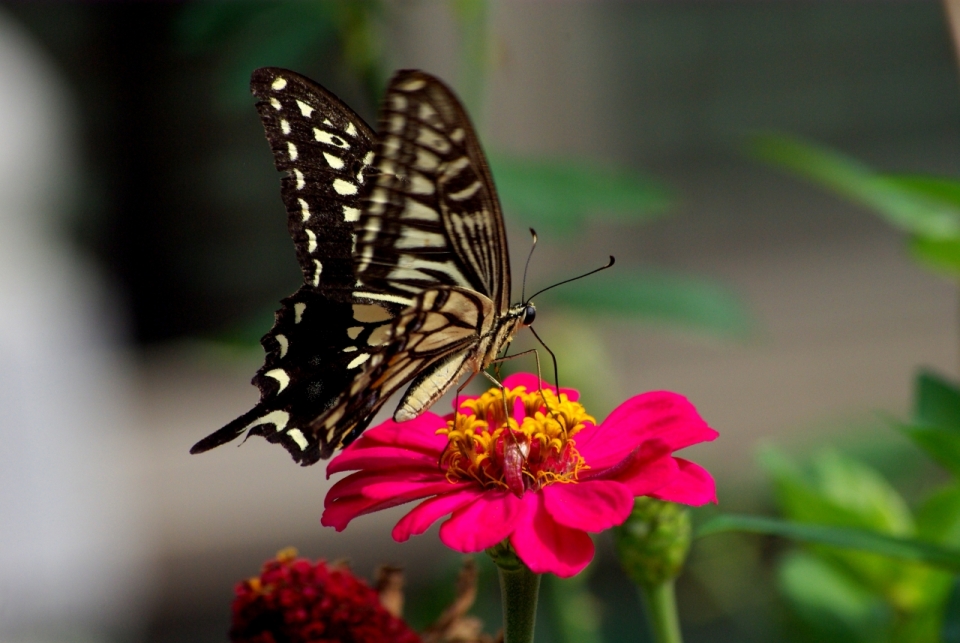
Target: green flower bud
pixel 653 542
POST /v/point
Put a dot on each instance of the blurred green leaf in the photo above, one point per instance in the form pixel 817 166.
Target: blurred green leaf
pixel 925 207
pixel 936 420
pixel 936 401
pixel 658 296
pixel 837 490
pixel 938 519
pixel 942 444
pixel 906 549
pixel 563 195
pixel 834 605
pixel 942 255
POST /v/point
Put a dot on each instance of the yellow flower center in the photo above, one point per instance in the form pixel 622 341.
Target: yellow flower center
pixel 524 446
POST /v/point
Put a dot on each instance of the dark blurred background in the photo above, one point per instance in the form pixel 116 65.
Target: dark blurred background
pixel 144 249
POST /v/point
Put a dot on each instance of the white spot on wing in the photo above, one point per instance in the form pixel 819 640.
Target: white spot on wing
pixel 299 438
pixel 335 161
pixel 279 83
pixel 298 175
pixel 292 151
pixel 368 159
pixel 304 210
pixel 281 376
pixel 275 104
pixel 351 214
pixel 284 126
pixel 344 187
pixel 284 345
pixel 413 85
pixel 311 241
pixel 351 130
pixel 277 418
pixel 305 109
pixel 358 360
pixel 350 349
pixel 322 136
pixel 316 275
pixel 298 309
pixel 354 331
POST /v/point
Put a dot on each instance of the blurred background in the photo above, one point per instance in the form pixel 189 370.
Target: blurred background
pixel 143 249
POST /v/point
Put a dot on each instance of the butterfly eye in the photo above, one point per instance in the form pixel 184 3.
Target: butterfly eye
pixel 529 315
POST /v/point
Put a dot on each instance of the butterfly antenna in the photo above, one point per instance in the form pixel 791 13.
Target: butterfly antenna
pixel 566 281
pixel 523 289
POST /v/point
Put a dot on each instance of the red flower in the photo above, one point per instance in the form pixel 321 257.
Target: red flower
pixel 542 483
pixel 296 601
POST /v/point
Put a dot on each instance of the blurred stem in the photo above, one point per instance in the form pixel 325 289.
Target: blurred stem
pixel 661 605
pixel 519 588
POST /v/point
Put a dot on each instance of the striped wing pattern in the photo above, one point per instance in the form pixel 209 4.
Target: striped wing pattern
pixel 432 217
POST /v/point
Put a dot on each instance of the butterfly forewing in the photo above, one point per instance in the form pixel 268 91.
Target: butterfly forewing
pixel 432 216
pixel 316 346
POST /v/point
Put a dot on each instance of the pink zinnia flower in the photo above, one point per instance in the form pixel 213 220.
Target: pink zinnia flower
pixel 545 482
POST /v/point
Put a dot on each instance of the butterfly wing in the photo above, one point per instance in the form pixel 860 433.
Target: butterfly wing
pixel 311 352
pixel 430 236
pixel 432 217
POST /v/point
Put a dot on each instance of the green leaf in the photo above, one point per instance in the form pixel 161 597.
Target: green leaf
pixel 663 297
pixel 925 207
pixel 936 420
pixel 906 549
pixel 562 195
pixel 834 605
pixel 942 255
pixel 936 401
pixel 938 519
pixel 837 490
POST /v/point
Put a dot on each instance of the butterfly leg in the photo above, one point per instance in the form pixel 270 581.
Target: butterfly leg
pixel 536 357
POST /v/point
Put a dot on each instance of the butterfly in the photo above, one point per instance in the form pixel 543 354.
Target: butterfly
pixel 402 244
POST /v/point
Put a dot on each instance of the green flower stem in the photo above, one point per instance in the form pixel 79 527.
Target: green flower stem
pixel 519 588
pixel 661 605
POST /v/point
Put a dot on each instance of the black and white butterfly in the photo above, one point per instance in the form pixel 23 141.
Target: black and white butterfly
pixel 404 257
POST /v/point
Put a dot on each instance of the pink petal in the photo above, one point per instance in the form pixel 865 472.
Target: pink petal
pixel 379 485
pixel 356 483
pixel 692 485
pixel 418 434
pixel 429 511
pixel 381 457
pixel 483 523
pixel 593 505
pixel 530 381
pixel 661 414
pixel 339 514
pixel 547 546
pixel 650 470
